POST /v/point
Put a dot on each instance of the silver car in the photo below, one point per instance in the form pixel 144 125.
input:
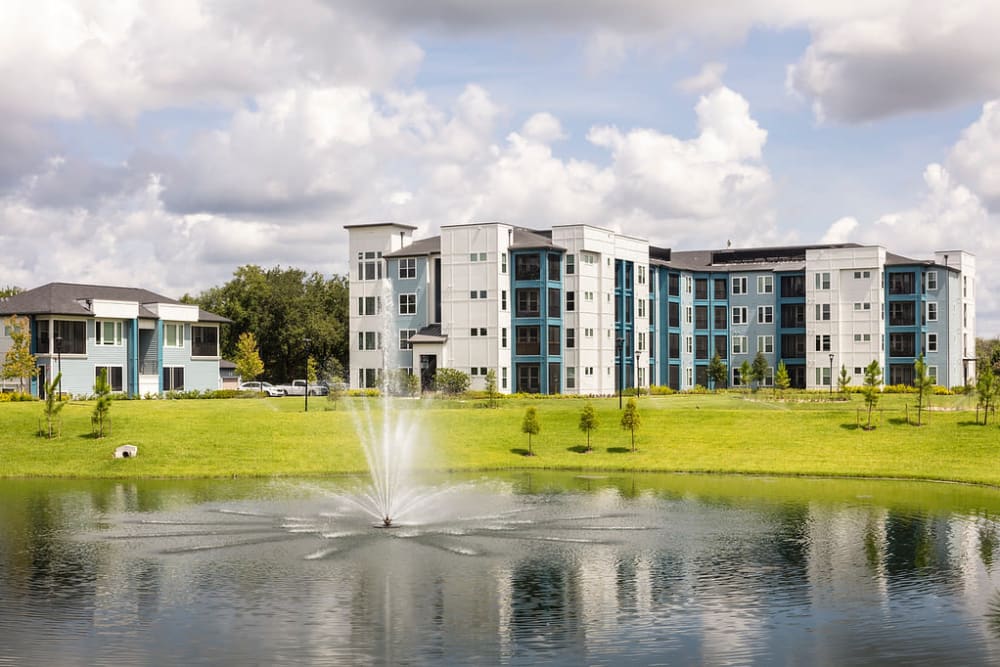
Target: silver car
pixel 261 387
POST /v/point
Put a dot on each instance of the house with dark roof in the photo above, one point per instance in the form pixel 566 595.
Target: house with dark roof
pixel 147 343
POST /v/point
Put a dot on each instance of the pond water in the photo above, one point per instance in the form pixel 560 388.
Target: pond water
pixel 518 569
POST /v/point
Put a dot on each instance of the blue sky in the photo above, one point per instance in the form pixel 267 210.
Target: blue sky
pixel 164 144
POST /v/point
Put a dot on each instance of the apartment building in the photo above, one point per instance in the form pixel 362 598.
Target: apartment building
pixel 586 310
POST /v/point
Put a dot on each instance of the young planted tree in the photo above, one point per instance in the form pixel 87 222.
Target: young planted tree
pixel 530 426
pixel 758 370
pixel 986 391
pixel 491 387
pixel 630 419
pixel 19 362
pixel 53 406
pixel 588 421
pixel 843 381
pixel 872 388
pixel 102 408
pixel 781 379
pixel 247 358
pixel 717 372
pixel 337 389
pixel 924 384
pixel 746 375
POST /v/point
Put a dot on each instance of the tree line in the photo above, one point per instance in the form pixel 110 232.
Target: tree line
pixel 291 314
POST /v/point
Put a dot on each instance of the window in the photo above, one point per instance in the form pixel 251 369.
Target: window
pixel 570 338
pixel 477 331
pixel 901 283
pixel 863 306
pixel 503 263
pixel 74 335
pixel 404 338
pixel 862 274
pixel 932 342
pixel 588 332
pixel 570 301
pixel 823 376
pixel 589 296
pixel 765 344
pixel 740 345
pixel 739 285
pixel 642 341
pixel 642 275
pixel 367 305
pixel 407 304
pixel 862 337
pixel 720 318
pixel 369 340
pixel 701 317
pixel 527 340
pixel 113 375
pixel 407 268
pixel 588 257
pixel 823 311
pixel 673 284
pixel 477 256
pixel 720 288
pixel 737 380
pixel 173 378
pixel 932 311
pixel 553 267
pixel 204 341
pixel 528 378
pixel 555 340
pixel 370 265
pixel 503 337
pixel 765 314
pixel 173 335
pixel 555 299
pixel 527 267
pixel 503 377
pixel 642 308
pixel 688 344
pixel 477 294
pixel 687 315
pixel 932 373
pixel 570 371
pixel 109 332
pixel 570 270
pixel 765 284
pixel 687 284
pixel 701 347
pixel 739 314
pixel 823 280
pixel 823 343
pixel 689 376
pixel 527 303
pixel 701 288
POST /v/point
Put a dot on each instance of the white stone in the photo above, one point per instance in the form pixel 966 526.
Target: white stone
pixel 126 452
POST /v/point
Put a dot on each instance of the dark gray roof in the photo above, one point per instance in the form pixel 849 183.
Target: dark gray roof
pixel 429 334
pixel 64 299
pixel 533 238
pixel 380 224
pixel 777 258
pixel 430 246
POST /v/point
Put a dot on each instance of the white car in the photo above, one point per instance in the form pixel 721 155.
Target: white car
pixel 261 387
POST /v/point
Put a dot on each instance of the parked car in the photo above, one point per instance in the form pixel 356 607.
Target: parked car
pixel 298 388
pixel 261 387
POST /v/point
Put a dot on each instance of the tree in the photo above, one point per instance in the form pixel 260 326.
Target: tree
pixel 53 404
pixel 337 389
pixel 746 374
pixel 844 380
pixel 924 383
pixel 781 379
pixel 630 419
pixel 401 382
pixel 9 290
pixel 530 426
pixel 872 388
pixel 758 371
pixel 311 376
pixel 451 381
pixel 588 421
pixel 491 387
pixel 281 307
pixel 19 362
pixel 247 357
pixel 986 391
pixel 102 408
pixel 717 371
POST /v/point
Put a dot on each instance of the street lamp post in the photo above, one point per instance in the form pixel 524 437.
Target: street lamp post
pixel 306 393
pixel 621 368
pixel 638 384
pixel 59 342
pixel 831 375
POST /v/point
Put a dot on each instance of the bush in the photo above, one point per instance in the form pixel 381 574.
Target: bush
pixel 451 381
pixel 15 397
pixel 661 390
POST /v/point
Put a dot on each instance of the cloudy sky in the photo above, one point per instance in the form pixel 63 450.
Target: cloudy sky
pixel 164 143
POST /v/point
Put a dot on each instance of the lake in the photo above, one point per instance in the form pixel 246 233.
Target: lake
pixel 506 568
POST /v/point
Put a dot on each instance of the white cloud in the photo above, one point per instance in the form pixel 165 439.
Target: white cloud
pixel 840 231
pixel 707 79
pixel 975 159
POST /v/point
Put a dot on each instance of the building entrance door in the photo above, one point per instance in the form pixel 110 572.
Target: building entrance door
pixel 428 369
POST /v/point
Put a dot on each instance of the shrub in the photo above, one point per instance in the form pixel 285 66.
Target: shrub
pixel 661 390
pixel 451 381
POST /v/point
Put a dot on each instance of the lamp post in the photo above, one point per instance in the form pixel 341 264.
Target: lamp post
pixel 621 367
pixel 59 342
pixel 638 384
pixel 831 375
pixel 306 392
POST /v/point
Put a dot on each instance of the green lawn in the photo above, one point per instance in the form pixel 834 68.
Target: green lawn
pixel 693 433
